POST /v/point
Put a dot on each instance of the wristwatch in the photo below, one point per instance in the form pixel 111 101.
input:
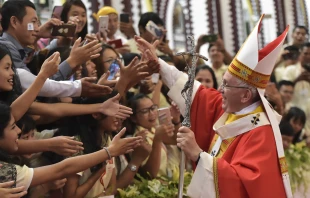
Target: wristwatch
pixel 132 167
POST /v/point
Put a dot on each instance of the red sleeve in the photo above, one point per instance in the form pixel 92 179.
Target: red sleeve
pixel 254 169
pixel 205 110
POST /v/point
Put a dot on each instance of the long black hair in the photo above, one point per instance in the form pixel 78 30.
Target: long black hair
pixel 5 118
pixel 8 97
pixel 133 103
pixel 296 114
pixel 64 14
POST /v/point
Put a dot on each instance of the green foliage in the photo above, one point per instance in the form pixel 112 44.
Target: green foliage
pixel 157 188
pixel 298 161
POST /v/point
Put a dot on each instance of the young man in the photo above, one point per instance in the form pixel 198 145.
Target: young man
pixel 163 48
pixel 293 71
pixel 113 32
pixel 299 35
pixel 286 89
pixel 236 126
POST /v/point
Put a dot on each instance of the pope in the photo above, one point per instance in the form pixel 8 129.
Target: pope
pixel 234 137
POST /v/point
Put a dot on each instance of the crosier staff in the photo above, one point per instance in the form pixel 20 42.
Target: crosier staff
pixel 187 93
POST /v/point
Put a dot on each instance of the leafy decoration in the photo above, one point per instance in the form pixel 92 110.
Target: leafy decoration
pixel 298 160
pixel 161 187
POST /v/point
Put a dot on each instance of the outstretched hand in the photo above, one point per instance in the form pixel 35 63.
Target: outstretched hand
pixel 133 73
pixel 144 46
pixel 50 65
pixel 90 89
pixel 111 107
pixel 121 146
pixel 104 80
pixel 7 192
pixel 65 146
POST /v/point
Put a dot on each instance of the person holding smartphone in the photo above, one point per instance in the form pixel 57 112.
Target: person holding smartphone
pixel 163 48
pixel 113 32
pixel 126 25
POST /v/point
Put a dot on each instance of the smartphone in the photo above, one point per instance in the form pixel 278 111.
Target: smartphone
pixel 209 38
pixel 154 29
pixel 65 30
pixel 114 68
pixel 103 24
pixel 164 116
pixel 116 43
pixel 57 10
pixel 124 17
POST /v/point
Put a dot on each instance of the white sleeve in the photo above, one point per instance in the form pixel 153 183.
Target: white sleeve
pixel 202 183
pixel 288 73
pixel 175 81
pixel 51 88
pixel 24 176
pixel 169 74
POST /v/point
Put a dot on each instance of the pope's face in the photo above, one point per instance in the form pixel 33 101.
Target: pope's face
pixel 231 93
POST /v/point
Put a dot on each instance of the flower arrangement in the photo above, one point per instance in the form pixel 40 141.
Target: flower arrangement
pixel 298 160
pixel 159 187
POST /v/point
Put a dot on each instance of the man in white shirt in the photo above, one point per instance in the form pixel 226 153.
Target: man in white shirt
pixel 292 71
pixel 51 88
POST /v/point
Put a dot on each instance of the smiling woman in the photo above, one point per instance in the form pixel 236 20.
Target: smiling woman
pixel 6 72
pixel 9 83
pixel 77 9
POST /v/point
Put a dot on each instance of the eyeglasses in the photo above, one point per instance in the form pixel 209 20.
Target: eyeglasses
pixel 110 61
pixel 223 85
pixel 145 111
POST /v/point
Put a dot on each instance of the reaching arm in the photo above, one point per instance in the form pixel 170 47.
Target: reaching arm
pixel 77 164
pixel 51 88
pixel 67 167
pixel 111 107
pixel 60 145
pixel 23 102
pixel 156 93
pixel 62 109
pixel 153 163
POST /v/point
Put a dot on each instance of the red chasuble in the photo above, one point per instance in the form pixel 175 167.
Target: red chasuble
pixel 249 167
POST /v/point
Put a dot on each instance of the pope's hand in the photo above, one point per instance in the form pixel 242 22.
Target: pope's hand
pixel 187 142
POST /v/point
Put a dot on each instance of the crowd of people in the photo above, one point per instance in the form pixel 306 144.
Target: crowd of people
pixel 81 116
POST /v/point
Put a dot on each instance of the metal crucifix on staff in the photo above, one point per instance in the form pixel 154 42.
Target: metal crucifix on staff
pixel 187 95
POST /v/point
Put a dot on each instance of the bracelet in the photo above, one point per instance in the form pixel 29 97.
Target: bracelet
pixel 108 152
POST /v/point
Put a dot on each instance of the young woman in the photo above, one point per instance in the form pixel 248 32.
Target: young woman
pixel 95 132
pixel 205 75
pixel 297 119
pixel 108 56
pixel 27 177
pixel 144 119
pixel 77 10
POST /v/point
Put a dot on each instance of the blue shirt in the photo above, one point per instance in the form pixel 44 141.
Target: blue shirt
pixel 18 54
